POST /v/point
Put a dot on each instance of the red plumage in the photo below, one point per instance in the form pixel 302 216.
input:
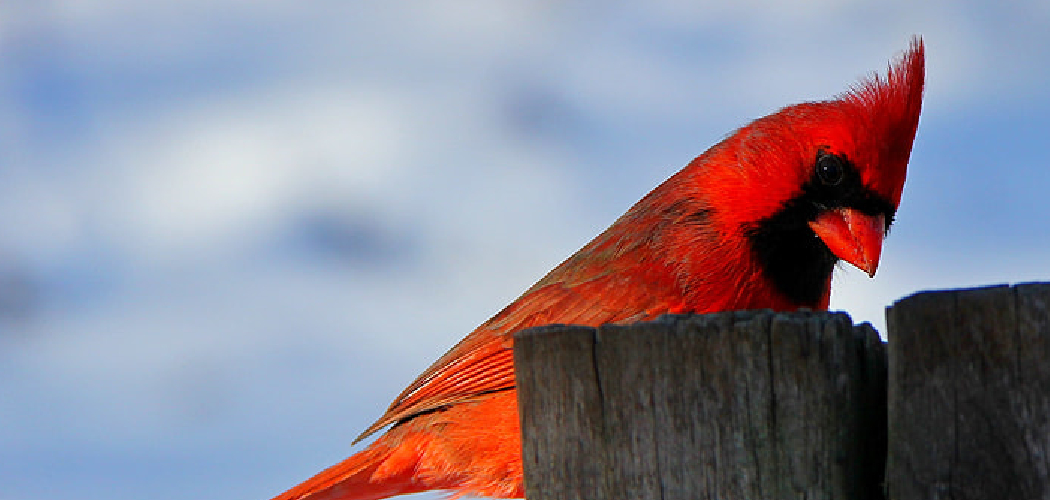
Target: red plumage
pixel 756 222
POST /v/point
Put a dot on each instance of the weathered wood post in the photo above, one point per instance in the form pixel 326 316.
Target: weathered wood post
pixel 744 405
pixel 969 394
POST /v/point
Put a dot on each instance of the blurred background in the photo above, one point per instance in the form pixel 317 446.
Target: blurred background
pixel 232 231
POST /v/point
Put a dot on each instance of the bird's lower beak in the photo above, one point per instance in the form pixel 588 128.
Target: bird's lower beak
pixel 852 236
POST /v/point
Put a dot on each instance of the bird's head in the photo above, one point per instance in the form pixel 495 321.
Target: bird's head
pixel 818 182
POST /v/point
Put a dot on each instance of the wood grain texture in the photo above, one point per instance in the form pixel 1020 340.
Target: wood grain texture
pixel 740 405
pixel 576 408
pixel 969 394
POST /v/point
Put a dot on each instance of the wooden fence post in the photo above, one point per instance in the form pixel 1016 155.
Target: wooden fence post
pixel 740 405
pixel 969 394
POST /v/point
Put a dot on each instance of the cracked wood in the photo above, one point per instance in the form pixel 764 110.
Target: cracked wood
pixel 969 397
pixel 741 405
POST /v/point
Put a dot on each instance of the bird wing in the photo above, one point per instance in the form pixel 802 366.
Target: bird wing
pixel 483 362
pixel 617 277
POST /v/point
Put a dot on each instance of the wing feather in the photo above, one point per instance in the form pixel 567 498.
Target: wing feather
pixel 613 279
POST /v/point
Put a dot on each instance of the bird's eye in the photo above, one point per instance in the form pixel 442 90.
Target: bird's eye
pixel 830 169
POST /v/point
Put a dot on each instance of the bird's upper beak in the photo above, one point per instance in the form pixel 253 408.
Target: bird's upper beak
pixel 852 236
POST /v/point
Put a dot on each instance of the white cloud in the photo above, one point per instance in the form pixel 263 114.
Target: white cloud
pixel 212 171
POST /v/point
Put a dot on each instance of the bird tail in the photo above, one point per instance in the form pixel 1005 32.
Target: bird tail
pixel 360 477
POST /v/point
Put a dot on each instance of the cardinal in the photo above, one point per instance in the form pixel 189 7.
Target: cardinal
pixel 758 221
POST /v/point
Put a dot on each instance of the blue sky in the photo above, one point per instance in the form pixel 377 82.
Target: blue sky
pixel 234 230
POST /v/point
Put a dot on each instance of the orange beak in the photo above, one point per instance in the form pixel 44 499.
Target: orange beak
pixel 852 236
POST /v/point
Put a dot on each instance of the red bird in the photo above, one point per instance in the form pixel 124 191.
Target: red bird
pixel 758 221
